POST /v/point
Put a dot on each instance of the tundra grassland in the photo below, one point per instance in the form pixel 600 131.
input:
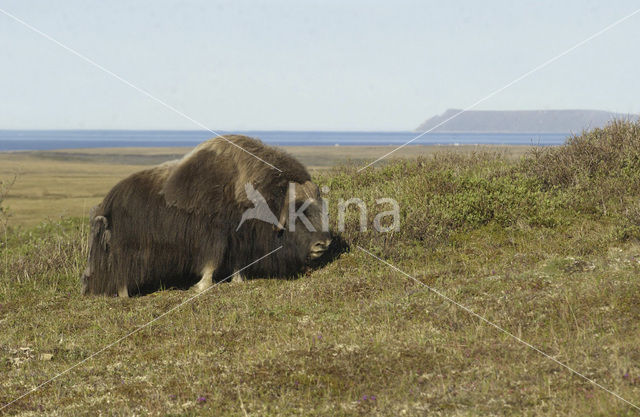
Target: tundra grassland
pixel 545 245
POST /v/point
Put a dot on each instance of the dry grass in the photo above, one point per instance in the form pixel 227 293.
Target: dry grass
pixel 356 337
pixel 51 189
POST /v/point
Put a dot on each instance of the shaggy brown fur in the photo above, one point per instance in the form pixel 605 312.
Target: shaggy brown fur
pixel 169 225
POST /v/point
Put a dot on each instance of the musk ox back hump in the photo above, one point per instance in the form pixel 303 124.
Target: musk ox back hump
pixel 217 170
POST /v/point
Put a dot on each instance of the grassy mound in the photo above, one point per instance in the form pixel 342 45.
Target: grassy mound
pixel 594 177
pixel 546 247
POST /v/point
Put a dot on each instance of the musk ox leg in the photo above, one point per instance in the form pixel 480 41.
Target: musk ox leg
pixel 123 291
pixel 238 278
pixel 207 279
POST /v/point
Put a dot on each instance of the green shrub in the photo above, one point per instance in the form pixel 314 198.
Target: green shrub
pixel 590 157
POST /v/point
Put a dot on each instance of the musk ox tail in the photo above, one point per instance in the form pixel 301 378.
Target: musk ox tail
pixel 93 281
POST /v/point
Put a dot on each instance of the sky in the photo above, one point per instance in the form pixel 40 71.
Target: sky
pixel 308 65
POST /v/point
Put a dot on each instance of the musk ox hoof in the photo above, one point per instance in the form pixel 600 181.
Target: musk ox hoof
pixel 203 285
pixel 238 278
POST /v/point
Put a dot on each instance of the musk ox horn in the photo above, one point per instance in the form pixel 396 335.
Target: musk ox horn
pixel 306 191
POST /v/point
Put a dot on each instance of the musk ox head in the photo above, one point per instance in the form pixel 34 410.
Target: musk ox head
pixel 206 216
pixel 303 221
pixel 300 231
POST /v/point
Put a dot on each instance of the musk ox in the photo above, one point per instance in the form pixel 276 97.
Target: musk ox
pixel 181 223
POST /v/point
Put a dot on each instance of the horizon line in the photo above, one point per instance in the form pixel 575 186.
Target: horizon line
pixel 224 131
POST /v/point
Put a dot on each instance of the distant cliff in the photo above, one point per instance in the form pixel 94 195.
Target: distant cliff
pixel 521 121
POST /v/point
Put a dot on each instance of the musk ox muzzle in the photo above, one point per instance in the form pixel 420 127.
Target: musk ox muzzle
pixel 204 217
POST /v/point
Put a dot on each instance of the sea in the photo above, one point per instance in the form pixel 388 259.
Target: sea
pixel 23 140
